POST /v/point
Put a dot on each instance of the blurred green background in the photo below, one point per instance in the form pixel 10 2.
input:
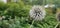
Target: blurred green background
pixel 17 13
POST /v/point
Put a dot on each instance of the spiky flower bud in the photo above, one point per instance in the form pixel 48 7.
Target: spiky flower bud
pixel 37 12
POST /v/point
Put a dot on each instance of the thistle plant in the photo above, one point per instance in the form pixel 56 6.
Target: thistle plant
pixel 37 13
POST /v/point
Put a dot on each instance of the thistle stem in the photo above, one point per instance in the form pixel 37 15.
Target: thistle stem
pixel 32 23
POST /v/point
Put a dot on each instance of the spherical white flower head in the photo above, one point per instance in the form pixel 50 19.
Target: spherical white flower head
pixel 37 13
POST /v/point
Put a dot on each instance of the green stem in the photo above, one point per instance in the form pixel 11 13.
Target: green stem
pixel 57 25
pixel 32 24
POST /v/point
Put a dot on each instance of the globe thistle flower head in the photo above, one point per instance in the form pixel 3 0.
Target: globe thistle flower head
pixel 37 12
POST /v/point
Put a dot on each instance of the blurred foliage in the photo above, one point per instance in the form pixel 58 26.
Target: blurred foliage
pixel 23 22
pixel 20 12
pixel 15 9
pixel 33 2
pixel 3 6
